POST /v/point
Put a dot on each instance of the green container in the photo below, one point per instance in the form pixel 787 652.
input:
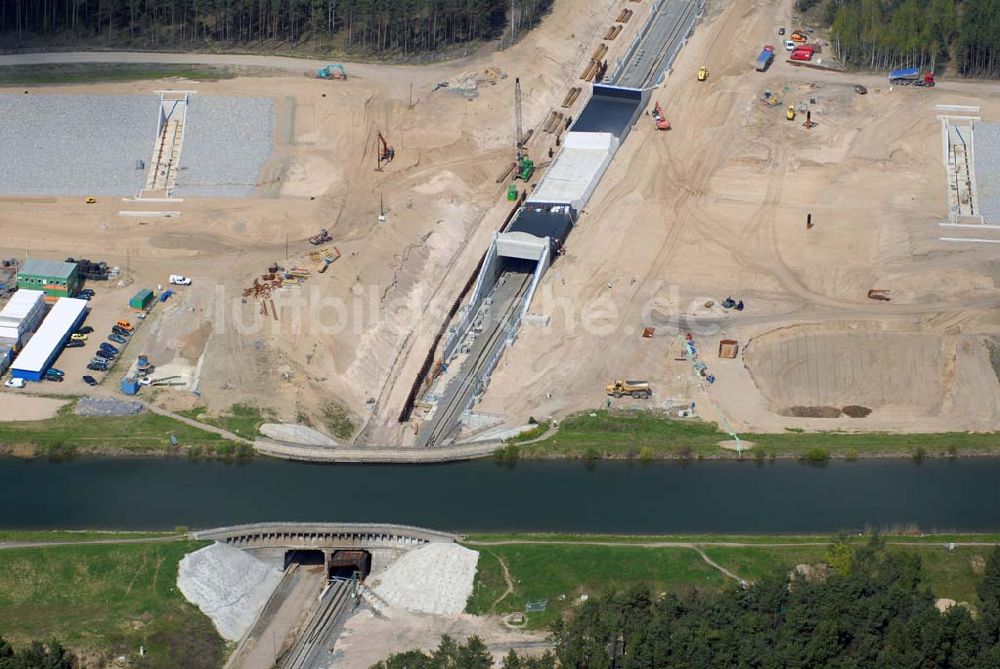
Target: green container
pixel 141 300
pixel 512 192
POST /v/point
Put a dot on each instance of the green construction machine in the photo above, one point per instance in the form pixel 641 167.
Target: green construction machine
pixel 332 71
pixel 525 168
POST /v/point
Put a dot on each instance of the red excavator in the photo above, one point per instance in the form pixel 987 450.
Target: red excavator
pixel 385 153
pixel 661 122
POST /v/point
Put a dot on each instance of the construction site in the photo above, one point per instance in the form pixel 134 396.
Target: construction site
pixel 447 251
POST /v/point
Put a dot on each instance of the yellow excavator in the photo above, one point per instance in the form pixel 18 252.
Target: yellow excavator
pixel 790 114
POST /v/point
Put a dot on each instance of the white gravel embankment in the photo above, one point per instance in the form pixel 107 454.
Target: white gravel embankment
pixel 986 146
pixel 435 578
pixel 230 586
pixel 227 140
pixel 75 144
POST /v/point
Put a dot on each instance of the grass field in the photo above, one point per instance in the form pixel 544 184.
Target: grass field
pixel 64 536
pixel 644 435
pixel 106 600
pixel 241 419
pixel 67 434
pixel 92 73
pixel 561 572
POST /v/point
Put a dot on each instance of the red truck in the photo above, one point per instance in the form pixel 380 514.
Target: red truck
pixel 803 52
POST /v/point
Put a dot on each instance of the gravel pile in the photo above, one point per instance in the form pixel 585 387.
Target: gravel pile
pixel 101 406
pixel 230 586
pixel 227 140
pixel 75 144
pixel 435 578
pixel 986 146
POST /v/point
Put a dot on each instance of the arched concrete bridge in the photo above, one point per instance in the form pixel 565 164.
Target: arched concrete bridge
pixel 324 536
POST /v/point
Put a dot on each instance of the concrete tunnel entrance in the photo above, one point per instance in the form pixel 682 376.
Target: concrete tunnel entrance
pixel 304 556
pixel 346 563
pixel 340 563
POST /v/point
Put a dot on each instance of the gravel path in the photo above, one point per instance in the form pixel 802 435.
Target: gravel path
pixel 75 144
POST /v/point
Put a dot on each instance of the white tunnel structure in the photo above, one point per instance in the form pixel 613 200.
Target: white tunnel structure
pixel 537 234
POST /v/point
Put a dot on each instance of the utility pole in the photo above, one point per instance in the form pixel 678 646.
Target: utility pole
pixel 517 118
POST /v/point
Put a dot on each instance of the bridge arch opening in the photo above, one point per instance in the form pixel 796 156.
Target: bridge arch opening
pixel 346 563
pixel 304 556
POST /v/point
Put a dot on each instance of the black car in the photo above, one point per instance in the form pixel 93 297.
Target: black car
pixel 118 330
pixel 94 367
pixel 105 346
pixel 86 329
pixel 104 354
pixel 89 380
pixel 86 292
pixel 74 343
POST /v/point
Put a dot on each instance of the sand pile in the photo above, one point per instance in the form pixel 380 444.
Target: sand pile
pixel 436 578
pixel 230 586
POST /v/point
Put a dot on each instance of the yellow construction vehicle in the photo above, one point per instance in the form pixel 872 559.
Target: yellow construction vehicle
pixel 90 199
pixel 702 73
pixel 790 114
pixel 639 390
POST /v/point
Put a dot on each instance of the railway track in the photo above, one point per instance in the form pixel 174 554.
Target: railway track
pixel 312 640
pixel 460 390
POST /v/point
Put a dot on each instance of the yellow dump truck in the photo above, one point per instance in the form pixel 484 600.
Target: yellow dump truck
pixel 640 390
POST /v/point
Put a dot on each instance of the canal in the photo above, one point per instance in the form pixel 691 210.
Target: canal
pixel 725 497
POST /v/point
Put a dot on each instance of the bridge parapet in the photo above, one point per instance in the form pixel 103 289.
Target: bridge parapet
pixel 324 536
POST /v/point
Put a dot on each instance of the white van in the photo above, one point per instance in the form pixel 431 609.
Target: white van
pixel 179 280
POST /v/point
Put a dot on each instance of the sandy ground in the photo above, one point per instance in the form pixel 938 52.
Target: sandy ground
pixel 367 638
pixel 714 207
pixel 717 207
pixel 336 339
pixel 24 407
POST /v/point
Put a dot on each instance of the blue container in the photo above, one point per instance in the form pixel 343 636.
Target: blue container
pixel 130 386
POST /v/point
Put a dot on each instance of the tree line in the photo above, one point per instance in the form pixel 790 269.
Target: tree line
pixel 375 26
pixel 886 34
pixel 871 608
pixel 36 655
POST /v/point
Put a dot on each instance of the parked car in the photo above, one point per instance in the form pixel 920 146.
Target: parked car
pixel 74 343
pixel 789 45
pixel 89 292
pixel 109 348
pixel 179 280
pixel 117 338
pixel 95 366
pixel 85 330
pixel 55 372
pixel 125 325
pixel 49 376
pixel 13 383
pixel 122 332
pixel 89 380
pixel 78 336
pixel 104 354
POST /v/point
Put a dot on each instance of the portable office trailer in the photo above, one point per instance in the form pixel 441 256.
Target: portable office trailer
pixel 21 316
pixel 56 278
pixel 47 343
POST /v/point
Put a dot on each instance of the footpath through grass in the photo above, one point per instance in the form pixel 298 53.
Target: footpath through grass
pixel 562 572
pixel 106 600
pixel 66 536
pixel 94 73
pixel 648 436
pixel 243 420
pixel 67 434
